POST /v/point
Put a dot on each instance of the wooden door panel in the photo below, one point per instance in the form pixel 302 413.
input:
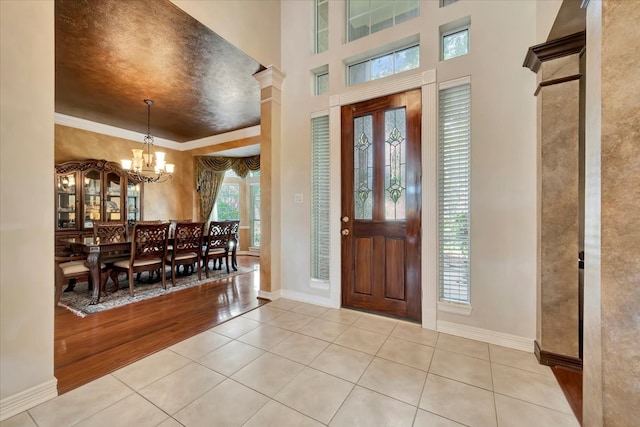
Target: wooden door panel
pixel 381 197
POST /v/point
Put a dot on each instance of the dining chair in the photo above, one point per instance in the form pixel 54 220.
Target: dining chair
pixel 111 232
pixel 233 244
pixel 70 268
pixel 148 252
pixel 217 245
pixel 187 244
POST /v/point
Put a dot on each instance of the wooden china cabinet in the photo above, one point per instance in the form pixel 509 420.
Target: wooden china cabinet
pixel 93 190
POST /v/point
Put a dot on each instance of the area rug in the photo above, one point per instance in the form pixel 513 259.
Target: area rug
pixel 77 301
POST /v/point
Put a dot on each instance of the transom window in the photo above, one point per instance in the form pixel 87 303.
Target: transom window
pixel 369 16
pixel 322 25
pixel 385 65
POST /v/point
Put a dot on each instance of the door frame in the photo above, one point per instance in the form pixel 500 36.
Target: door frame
pixel 426 81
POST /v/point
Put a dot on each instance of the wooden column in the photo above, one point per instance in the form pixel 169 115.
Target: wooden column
pixel 270 81
pixel 560 197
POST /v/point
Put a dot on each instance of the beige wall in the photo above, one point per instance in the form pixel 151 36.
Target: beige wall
pixel 611 391
pixel 26 205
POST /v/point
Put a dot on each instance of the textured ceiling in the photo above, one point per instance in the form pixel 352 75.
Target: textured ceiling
pixel 112 54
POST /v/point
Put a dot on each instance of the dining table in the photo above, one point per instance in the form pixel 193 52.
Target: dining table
pixel 97 252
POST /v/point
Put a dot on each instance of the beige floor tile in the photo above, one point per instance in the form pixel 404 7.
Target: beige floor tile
pixel 315 394
pixel 181 387
pixel 300 348
pixel 512 412
pixel 231 357
pixel 394 380
pixel 266 337
pixel 415 333
pixel 21 420
pixel 268 373
pixel 517 359
pixel 143 372
pixel 133 410
pixel 342 362
pixel 81 403
pixel 236 327
pixel 461 345
pixel 284 304
pixel 323 329
pixel 462 368
pixel 361 340
pixel 227 404
pixel 365 408
pixel 170 422
pixel 460 402
pixel 344 316
pixel 381 325
pixel 408 353
pixel 275 414
pixel 290 321
pixel 199 345
pixel 427 419
pixel 528 386
pixel 264 313
pixel 309 310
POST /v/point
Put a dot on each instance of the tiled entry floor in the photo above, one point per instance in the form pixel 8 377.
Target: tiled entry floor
pixel 295 364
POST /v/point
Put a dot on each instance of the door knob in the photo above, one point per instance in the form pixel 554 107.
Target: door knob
pixel 345 232
pixel 345 219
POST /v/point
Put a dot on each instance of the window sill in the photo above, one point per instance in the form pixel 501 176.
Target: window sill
pixel 319 284
pixel 455 308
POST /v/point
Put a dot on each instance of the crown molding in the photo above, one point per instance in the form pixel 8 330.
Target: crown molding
pixel 564 46
pixel 270 77
pixel 78 123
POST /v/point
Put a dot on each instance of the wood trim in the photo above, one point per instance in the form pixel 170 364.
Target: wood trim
pixel 553 359
pixel 554 49
pixel 556 81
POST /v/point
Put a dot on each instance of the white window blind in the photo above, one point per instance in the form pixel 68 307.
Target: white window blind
pixel 320 198
pixel 454 173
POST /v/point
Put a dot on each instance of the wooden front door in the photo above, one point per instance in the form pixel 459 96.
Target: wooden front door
pixel 381 205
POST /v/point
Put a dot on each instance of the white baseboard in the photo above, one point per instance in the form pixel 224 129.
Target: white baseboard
pixel 486 335
pixel 311 299
pixel 27 399
pixel 270 295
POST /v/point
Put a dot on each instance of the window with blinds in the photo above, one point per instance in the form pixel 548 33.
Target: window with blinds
pixel 320 198
pixel 454 173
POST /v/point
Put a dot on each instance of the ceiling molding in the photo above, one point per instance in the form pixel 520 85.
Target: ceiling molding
pixel 554 49
pixel 75 122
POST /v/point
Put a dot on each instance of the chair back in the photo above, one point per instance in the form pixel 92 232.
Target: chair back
pixel 149 241
pixel 233 236
pixel 219 233
pixel 188 237
pixel 110 232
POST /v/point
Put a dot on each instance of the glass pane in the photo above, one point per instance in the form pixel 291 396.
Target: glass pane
pixel 395 176
pixel 382 67
pixel 407 59
pixel 448 2
pixel 363 167
pixel 358 27
pixel 255 215
pixel 133 202
pixel 112 200
pixel 322 83
pixel 383 17
pixel 228 202
pixel 66 201
pixel 92 198
pixel 455 44
pixel 358 73
pixel 406 9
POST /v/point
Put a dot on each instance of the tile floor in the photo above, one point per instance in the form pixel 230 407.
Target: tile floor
pixel 296 364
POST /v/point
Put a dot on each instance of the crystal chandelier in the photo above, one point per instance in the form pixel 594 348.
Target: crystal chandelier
pixel 142 166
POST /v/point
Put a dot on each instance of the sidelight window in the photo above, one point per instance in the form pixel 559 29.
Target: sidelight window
pixel 320 198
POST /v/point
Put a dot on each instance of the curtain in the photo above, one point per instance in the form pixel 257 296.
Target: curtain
pixel 209 174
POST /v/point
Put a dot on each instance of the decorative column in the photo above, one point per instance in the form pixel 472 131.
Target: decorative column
pixel 560 197
pixel 270 81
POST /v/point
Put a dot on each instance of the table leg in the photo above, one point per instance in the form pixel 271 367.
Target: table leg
pixel 93 261
pixel 234 261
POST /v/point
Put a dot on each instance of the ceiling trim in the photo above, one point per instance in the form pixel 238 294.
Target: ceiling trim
pixel 78 123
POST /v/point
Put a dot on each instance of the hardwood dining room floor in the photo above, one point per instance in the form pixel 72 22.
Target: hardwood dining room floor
pixel 88 348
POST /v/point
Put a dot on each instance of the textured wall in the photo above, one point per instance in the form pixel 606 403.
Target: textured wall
pixel 173 199
pixel 559 208
pixel 612 266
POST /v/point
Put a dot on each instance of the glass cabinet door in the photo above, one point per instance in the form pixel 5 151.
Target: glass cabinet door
pixel 113 197
pixel 92 197
pixel 66 198
pixel 133 202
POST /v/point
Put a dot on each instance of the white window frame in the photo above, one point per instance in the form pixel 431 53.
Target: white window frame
pixel 456 270
pixel 373 58
pixel 394 17
pixel 318 4
pixel 463 24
